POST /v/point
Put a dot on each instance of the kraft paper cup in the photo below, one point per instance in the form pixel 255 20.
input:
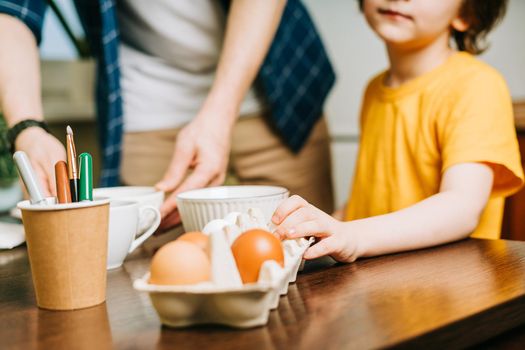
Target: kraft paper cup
pixel 67 246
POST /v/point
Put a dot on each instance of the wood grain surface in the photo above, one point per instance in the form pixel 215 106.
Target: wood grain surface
pixel 452 296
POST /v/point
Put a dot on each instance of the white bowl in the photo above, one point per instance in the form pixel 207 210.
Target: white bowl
pixel 144 195
pixel 198 207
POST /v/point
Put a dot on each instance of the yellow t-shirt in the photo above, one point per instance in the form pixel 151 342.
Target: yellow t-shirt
pixel 459 112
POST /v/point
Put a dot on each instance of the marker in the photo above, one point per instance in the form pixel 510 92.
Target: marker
pixel 29 178
pixel 86 177
pixel 62 182
pixel 72 166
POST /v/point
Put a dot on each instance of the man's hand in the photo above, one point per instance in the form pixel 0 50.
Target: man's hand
pixel 43 150
pixel 200 159
pixel 204 145
pixel 20 98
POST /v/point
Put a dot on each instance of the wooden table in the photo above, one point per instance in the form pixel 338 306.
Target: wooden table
pixel 450 296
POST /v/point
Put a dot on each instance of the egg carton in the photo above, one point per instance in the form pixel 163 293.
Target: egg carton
pixel 225 299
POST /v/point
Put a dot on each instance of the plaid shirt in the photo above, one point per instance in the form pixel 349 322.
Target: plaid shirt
pixel 295 77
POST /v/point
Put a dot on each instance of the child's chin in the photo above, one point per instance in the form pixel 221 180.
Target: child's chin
pixel 395 35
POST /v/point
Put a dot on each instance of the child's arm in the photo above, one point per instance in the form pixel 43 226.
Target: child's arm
pixel 449 215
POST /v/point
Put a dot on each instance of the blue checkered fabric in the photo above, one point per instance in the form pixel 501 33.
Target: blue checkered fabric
pixel 295 77
pixel 99 19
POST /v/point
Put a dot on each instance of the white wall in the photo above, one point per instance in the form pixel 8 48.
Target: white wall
pixel 55 44
pixel 358 55
pixel 507 49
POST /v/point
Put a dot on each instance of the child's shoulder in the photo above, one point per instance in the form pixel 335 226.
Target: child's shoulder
pixel 376 81
pixel 375 84
pixel 466 72
pixel 459 72
pixel 462 78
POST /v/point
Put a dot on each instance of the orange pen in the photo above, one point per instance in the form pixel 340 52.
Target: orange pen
pixel 62 182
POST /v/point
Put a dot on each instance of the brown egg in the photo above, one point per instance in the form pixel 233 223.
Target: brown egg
pixel 197 238
pixel 179 262
pixel 251 249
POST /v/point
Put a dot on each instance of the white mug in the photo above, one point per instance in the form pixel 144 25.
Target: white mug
pixel 144 195
pixel 124 218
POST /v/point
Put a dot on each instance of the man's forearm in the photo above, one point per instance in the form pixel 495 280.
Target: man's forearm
pixel 250 30
pixel 19 72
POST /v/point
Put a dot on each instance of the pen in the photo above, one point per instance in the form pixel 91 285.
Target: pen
pixel 29 178
pixel 62 182
pixel 72 166
pixel 86 177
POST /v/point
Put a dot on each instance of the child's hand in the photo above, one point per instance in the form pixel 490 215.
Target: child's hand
pixel 297 218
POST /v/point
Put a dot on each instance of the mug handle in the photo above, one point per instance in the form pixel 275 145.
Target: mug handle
pixel 156 222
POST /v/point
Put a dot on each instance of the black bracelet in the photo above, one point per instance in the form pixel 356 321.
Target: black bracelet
pixel 13 132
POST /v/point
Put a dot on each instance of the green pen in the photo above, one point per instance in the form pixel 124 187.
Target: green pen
pixel 86 177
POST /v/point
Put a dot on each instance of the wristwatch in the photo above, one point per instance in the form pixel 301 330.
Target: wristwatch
pixel 13 132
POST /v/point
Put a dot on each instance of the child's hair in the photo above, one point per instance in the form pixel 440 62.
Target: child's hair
pixel 481 16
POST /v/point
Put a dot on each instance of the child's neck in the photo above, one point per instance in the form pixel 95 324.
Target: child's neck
pixel 410 63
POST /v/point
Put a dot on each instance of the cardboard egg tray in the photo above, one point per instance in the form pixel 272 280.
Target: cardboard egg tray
pixel 225 299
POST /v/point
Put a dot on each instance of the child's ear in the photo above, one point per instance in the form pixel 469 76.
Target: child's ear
pixel 459 24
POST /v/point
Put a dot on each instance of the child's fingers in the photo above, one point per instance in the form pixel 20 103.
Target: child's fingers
pixel 288 206
pixel 324 247
pixel 289 224
pixel 308 228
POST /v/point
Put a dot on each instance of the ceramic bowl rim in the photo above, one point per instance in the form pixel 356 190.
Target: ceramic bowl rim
pixel 145 191
pixel 279 192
